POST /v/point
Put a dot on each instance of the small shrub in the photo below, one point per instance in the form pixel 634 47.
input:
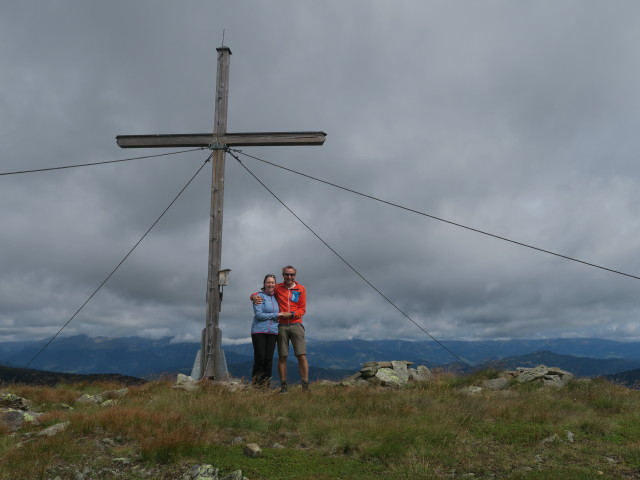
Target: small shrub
pixel 515 432
pixel 594 426
pixel 608 403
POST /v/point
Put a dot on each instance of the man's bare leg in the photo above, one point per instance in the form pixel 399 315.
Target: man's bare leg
pixel 282 371
pixel 303 368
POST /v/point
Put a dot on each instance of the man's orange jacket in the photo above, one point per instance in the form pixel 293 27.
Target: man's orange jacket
pixel 292 299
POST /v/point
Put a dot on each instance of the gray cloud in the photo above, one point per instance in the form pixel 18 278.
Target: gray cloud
pixel 515 119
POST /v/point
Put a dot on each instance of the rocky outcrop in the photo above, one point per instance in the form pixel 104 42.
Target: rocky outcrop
pixel 542 375
pixel 209 472
pixel 15 412
pixel 186 382
pixel 13 419
pixel 54 429
pixel 9 400
pixel 547 376
pixel 388 374
pixel 499 383
pixel 108 398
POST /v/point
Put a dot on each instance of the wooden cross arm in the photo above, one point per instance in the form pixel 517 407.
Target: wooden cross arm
pixel 228 139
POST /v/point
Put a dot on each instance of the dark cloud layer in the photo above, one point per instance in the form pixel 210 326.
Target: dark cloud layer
pixel 515 119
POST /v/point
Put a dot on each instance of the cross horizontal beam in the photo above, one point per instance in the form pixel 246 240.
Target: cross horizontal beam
pixel 228 139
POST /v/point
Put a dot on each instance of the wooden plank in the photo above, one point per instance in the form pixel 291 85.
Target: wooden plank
pixel 230 139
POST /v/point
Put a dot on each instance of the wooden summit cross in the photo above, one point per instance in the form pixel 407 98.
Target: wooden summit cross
pixel 212 361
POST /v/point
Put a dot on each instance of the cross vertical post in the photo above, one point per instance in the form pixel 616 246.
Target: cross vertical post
pixel 212 362
pixel 213 356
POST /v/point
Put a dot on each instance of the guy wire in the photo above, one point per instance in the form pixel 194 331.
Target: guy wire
pixel 346 262
pixel 119 264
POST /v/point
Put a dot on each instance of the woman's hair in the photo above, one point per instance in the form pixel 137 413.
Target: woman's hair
pixel 267 276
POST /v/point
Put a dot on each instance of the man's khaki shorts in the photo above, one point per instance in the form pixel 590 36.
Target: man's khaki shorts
pixel 293 333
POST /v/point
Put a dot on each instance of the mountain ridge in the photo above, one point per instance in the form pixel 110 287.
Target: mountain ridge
pixel 148 358
pixel 578 366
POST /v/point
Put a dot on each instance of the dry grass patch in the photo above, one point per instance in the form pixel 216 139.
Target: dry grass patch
pixel 47 396
pixel 430 430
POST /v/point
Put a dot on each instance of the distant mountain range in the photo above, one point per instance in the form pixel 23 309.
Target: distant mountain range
pixel 579 366
pixel 150 358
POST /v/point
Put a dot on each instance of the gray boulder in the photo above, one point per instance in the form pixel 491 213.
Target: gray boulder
pixel 252 450
pixel 547 376
pixel 54 429
pixel 107 398
pixel 495 384
pixel 9 400
pixel 13 419
pixel 388 374
pixel 387 377
pixel 420 374
pixel 185 382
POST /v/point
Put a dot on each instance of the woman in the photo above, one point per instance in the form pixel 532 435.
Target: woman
pixel 264 331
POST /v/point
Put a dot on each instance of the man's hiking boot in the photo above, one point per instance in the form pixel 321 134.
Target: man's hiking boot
pixel 305 386
pixel 283 388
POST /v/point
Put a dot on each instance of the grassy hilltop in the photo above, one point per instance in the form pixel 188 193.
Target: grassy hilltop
pixel 431 430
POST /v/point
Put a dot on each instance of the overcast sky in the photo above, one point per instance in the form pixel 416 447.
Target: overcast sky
pixel 519 119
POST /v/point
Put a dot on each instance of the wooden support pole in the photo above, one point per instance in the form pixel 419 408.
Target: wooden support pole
pixel 212 368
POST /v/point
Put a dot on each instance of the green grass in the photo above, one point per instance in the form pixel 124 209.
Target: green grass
pixel 426 431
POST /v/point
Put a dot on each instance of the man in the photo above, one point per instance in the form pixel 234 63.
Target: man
pixel 292 302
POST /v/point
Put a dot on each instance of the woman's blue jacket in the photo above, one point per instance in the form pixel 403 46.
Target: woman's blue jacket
pixel 265 315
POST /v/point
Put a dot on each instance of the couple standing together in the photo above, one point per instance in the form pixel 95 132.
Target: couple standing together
pixel 278 309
